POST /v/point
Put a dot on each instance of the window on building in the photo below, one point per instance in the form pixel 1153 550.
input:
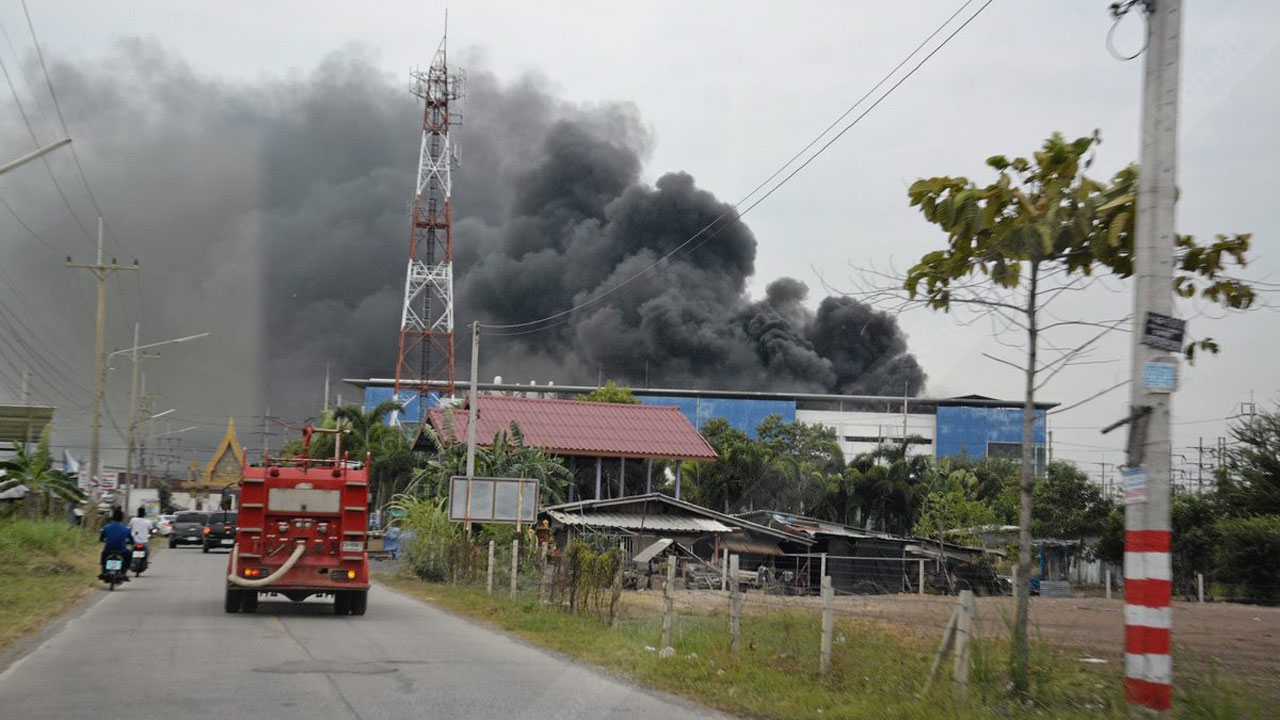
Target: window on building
pixel 1013 451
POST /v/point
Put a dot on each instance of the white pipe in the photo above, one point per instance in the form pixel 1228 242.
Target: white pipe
pixel 263 582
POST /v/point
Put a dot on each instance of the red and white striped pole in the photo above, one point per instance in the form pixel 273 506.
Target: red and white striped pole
pixel 1148 618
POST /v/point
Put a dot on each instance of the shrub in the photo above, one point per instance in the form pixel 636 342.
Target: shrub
pixel 1247 557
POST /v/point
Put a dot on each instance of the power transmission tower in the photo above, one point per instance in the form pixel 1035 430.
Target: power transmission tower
pixel 100 270
pixel 1148 617
pixel 426 317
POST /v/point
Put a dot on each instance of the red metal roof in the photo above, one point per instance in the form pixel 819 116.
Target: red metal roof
pixel 573 427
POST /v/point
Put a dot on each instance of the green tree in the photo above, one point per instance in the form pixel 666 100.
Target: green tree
pixel 44 482
pixel 1068 505
pixel 1041 229
pixel 1247 557
pixel 949 512
pixel 717 485
pixel 1249 481
pixel 612 392
pixel 507 457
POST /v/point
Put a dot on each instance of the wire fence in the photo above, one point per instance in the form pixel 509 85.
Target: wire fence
pixel 779 609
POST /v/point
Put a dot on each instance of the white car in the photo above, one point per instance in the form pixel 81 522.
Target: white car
pixel 163 525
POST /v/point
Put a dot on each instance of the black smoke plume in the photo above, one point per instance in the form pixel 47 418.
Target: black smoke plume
pixel 275 214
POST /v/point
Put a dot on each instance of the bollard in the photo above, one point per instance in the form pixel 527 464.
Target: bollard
pixel 1108 583
pixel 920 587
pixel 1200 585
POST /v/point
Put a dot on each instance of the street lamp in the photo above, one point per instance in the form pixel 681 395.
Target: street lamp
pixel 133 392
pixel 33 155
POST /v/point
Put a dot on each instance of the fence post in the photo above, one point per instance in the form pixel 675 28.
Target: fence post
pixel 735 607
pixel 823 572
pixel 1200 586
pixel 724 571
pixel 669 600
pixel 964 630
pixel 1015 581
pixel 542 575
pixel 1108 583
pixel 920 583
pixel 515 565
pixel 615 594
pixel 489 575
pixel 824 665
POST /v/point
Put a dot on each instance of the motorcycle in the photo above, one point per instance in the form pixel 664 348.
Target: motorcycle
pixel 114 570
pixel 140 556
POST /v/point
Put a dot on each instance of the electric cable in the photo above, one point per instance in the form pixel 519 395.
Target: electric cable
pixel 732 214
pixel 63 123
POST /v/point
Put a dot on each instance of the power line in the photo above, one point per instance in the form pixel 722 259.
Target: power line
pixel 36 141
pixel 63 123
pixel 734 208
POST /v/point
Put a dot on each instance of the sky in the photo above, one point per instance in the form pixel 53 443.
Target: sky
pixel 183 114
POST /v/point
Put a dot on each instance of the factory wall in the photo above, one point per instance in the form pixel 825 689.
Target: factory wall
pixel 745 414
pixel 983 431
pixel 863 432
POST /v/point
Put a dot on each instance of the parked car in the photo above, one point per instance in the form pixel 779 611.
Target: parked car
pixel 188 528
pixel 220 530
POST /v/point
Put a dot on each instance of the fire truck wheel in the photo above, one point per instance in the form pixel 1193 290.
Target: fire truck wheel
pixel 232 602
pixel 341 603
pixel 358 601
pixel 248 601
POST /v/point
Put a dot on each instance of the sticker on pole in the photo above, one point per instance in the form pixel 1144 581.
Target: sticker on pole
pixel 1135 485
pixel 1163 332
pixel 1160 376
pixel 493 500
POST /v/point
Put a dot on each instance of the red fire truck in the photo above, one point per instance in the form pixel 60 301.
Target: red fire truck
pixel 301 532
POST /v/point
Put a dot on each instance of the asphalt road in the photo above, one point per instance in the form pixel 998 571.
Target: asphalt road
pixel 162 647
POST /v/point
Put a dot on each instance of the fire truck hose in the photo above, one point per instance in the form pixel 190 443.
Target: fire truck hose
pixel 263 582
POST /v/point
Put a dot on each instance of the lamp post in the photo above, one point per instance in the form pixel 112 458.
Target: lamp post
pixel 133 391
pixel 33 155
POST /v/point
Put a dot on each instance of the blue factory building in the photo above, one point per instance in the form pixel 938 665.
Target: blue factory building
pixel 971 426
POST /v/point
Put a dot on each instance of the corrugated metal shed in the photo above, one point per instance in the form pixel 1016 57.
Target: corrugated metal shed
pixel 639 521
pixel 572 427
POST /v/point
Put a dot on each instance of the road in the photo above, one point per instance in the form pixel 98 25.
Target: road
pixel 161 647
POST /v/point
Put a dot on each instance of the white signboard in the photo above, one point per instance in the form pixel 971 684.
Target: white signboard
pixel 1135 485
pixel 493 500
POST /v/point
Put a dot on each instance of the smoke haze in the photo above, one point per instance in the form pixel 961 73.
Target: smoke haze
pixel 275 215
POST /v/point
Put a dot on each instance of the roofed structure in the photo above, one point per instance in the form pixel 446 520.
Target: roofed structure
pixel 578 428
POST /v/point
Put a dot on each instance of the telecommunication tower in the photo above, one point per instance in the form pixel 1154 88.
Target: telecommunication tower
pixel 425 360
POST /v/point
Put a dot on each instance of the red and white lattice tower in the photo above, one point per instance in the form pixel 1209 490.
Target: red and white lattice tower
pixel 425 360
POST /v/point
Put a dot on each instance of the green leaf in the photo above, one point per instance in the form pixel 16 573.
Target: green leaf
pixel 1116 228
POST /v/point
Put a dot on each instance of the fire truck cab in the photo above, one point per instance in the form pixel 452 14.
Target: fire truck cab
pixel 302 532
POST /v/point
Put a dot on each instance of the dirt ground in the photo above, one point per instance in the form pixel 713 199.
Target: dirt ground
pixel 1241 642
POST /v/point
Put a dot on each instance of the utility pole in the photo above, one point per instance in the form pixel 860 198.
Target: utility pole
pixel 1148 617
pixel 326 387
pixel 471 415
pixel 100 270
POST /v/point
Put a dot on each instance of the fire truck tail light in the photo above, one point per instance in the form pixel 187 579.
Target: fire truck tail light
pixel 351 574
pixel 253 572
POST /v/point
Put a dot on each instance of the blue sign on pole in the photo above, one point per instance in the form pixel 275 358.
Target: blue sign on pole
pixel 1160 376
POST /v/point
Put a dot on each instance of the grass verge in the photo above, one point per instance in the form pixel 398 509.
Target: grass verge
pixel 878 669
pixel 42 573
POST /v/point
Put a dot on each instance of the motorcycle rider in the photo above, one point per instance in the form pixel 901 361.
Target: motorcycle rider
pixel 115 537
pixel 140 529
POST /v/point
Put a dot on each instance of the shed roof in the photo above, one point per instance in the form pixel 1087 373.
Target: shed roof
pixel 574 427
pixel 639 521
pixel 601 510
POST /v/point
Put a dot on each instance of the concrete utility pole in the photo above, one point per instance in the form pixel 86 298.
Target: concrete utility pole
pixel 1148 617
pixel 471 415
pixel 100 270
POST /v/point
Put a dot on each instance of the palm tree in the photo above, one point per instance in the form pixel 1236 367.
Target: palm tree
pixel 44 482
